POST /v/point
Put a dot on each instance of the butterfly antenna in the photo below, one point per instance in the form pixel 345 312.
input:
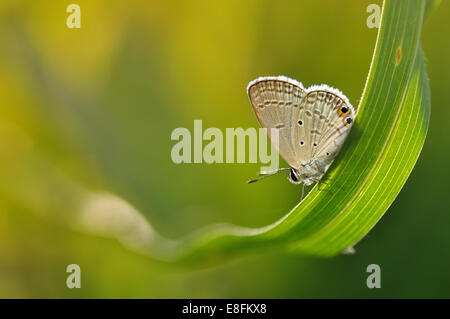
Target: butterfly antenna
pixel 267 174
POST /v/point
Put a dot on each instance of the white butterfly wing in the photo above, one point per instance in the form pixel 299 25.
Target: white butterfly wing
pixel 275 101
pixel 323 123
pixel 312 123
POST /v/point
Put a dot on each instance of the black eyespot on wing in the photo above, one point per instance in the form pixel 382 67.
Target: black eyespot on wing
pixel 348 121
pixel 301 142
pixel 315 144
pixel 300 122
pixel 343 110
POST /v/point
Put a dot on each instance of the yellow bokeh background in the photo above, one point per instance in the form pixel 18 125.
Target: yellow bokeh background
pixel 88 113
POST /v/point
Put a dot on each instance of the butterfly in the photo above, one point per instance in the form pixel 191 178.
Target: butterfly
pixel 312 124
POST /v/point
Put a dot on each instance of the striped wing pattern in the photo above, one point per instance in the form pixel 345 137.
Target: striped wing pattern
pixel 313 123
pixel 275 101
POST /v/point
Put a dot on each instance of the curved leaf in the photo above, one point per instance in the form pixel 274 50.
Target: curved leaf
pixel 370 171
pixel 364 180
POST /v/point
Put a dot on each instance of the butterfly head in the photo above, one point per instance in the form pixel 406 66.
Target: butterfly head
pixel 306 174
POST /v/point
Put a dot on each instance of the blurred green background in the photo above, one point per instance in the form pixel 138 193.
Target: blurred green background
pixel 90 111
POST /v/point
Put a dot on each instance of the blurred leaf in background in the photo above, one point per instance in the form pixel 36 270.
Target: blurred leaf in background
pixel 90 111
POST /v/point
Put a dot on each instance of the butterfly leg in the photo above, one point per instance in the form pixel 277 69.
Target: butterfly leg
pixel 303 191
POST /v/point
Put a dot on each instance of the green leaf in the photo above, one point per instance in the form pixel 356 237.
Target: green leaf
pixel 376 160
pixel 364 180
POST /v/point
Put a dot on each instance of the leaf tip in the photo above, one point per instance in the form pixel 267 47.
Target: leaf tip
pixel 348 251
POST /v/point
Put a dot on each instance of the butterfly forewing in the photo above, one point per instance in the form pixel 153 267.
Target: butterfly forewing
pixel 275 100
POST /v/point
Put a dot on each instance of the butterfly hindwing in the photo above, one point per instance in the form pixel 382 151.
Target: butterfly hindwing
pixel 324 124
